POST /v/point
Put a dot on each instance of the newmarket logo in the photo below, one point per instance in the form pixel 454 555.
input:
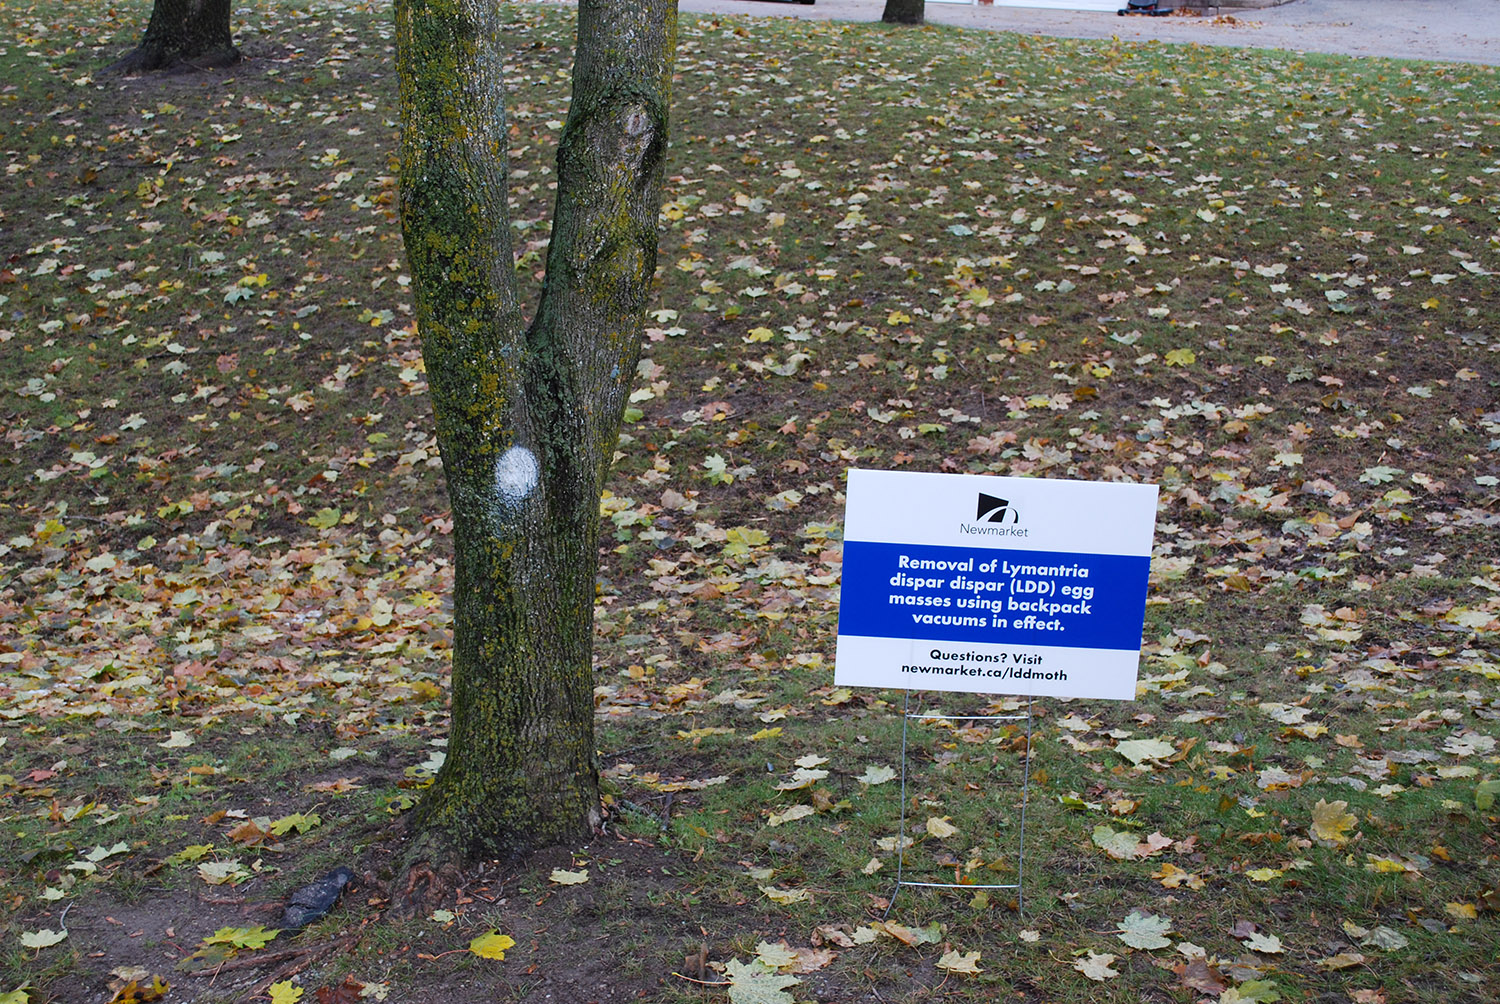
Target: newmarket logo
pixel 995 510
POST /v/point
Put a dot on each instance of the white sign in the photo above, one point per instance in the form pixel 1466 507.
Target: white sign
pixel 993 585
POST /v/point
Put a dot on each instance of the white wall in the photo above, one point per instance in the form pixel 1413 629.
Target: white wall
pixel 1091 5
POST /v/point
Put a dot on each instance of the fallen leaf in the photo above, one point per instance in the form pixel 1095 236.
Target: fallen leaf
pixel 910 936
pixel 1267 944
pixel 1119 844
pixel 939 827
pixel 778 956
pixel 1096 966
pixel 248 833
pixel 1137 751
pixel 802 777
pixel 963 963
pixel 243 937
pixel 812 959
pixel 1257 991
pixel 1145 931
pixel 1330 823
pixel 228 872
pixel 752 983
pixel 133 992
pixel 285 992
pixel 792 813
pixel 1385 939
pixel 1173 877
pixel 1198 974
pixel 45 938
pixel 786 897
pixel 562 877
pixel 296 821
pixel 491 945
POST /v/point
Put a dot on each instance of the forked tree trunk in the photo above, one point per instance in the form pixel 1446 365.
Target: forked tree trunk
pixel 183 34
pixel 527 416
pixel 904 11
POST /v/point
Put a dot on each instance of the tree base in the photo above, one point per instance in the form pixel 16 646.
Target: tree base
pixel 904 12
pixel 158 59
pixel 430 877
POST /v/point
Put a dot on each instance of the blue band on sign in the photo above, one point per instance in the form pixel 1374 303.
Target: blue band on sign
pixel 994 595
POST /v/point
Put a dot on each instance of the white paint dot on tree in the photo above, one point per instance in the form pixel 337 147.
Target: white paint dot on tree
pixel 516 476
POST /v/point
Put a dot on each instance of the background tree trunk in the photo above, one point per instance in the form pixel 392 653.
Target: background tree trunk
pixel 904 11
pixel 183 34
pixel 527 417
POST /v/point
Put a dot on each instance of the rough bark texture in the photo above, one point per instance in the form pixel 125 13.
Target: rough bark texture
pixel 527 416
pixel 183 35
pixel 904 11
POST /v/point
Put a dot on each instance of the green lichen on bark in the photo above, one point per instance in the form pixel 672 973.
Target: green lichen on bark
pixel 527 416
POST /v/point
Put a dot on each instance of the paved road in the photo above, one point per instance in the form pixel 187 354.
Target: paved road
pixel 1460 31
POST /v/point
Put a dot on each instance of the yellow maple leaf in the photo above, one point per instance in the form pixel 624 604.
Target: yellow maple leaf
pixel 1181 357
pixel 1382 865
pixel 491 945
pixel 285 992
pixel 963 963
pixel 938 826
pixel 1172 877
pixel 1331 824
pixel 786 897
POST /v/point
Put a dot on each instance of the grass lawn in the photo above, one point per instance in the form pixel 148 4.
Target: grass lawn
pixel 1262 281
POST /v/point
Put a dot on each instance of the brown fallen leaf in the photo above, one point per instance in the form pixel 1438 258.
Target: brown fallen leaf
pixel 347 992
pixel 134 993
pixel 338 785
pixel 812 959
pixel 826 933
pixel 1197 974
pixel 249 833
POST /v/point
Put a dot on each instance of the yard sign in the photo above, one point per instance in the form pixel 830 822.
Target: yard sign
pixel 993 585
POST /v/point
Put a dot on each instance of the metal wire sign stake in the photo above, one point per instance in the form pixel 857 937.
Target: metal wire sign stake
pixel 1040 592
pixel 1017 885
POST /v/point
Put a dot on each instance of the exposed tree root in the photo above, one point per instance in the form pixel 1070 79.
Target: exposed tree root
pixel 430 878
pixel 297 963
pixel 160 59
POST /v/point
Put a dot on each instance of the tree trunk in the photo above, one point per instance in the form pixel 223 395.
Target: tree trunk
pixel 183 34
pixel 904 11
pixel 527 417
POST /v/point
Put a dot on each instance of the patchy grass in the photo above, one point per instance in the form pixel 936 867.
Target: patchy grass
pixel 1263 282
